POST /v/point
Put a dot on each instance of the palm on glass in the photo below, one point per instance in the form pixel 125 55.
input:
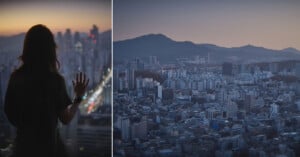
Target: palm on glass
pixel 80 84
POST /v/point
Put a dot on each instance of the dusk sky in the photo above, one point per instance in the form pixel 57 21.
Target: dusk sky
pixel 18 16
pixel 272 24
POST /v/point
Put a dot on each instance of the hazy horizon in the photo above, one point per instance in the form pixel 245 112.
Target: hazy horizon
pixel 18 16
pixel 55 32
pixel 230 23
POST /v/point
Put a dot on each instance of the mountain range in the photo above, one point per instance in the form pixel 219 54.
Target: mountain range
pixel 168 50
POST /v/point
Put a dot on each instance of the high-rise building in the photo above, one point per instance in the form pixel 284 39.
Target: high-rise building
pixel 231 109
pixel 77 37
pixel 140 64
pixel 153 60
pixel 125 128
pixel 131 78
pixel 60 41
pixel 139 83
pixel 68 43
pixel 123 83
pixel 211 113
pixel 107 94
pixel 116 78
pixel 94 35
pixel 222 95
pixel 159 91
pixel 132 67
pixel 78 47
pixel 273 110
pixel 249 101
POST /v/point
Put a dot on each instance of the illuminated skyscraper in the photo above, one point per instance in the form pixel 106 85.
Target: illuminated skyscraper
pixel 94 35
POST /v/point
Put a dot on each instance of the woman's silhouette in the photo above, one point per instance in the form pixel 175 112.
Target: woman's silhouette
pixel 36 97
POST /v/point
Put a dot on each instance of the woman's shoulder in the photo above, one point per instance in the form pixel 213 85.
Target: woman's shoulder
pixel 17 72
pixel 40 74
pixel 17 77
pixel 57 77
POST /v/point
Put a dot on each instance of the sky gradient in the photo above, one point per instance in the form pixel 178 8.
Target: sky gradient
pixel 272 24
pixel 18 16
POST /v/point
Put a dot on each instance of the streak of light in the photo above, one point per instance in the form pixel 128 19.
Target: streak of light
pixel 94 100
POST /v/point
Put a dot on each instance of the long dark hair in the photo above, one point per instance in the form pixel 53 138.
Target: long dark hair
pixel 39 50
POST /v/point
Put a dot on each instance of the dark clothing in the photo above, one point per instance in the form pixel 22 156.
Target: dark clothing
pixel 33 103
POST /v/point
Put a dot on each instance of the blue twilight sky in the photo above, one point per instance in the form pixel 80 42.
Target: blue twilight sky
pixel 272 24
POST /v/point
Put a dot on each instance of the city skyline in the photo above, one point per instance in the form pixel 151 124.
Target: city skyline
pixel 269 24
pixel 57 15
pixel 87 50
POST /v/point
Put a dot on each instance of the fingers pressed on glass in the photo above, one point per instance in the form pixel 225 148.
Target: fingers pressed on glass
pixel 84 78
pixel 80 79
pixel 87 82
pixel 77 78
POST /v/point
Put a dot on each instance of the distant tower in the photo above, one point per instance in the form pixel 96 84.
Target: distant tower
pixel 159 91
pixel 94 35
pixel 249 102
pixel 60 41
pixel 140 64
pixel 107 94
pixel 116 78
pixel 153 60
pixel 78 47
pixel 132 67
pixel 125 128
pixel 79 50
pixel 131 78
pixel 150 60
pixel 68 40
pixel 76 37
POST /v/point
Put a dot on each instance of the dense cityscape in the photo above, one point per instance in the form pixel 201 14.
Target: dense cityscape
pixel 198 108
pixel 89 133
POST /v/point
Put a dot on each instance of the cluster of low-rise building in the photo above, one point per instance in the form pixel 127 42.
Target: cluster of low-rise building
pixel 207 113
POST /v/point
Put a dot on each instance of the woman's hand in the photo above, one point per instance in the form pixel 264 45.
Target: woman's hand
pixel 79 84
